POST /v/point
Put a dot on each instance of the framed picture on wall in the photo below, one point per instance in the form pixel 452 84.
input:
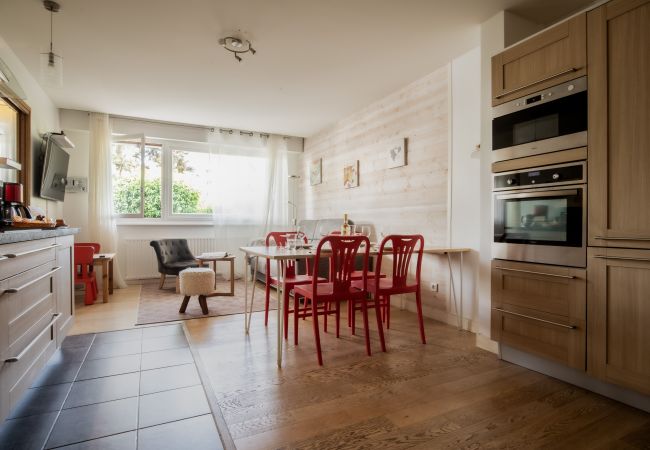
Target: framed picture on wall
pixel 397 153
pixel 316 172
pixel 351 175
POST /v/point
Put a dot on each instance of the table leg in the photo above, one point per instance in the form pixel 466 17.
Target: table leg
pixel 453 291
pixel 105 280
pixel 232 277
pixel 245 293
pixel 250 311
pixel 110 277
pixel 281 289
pixel 214 269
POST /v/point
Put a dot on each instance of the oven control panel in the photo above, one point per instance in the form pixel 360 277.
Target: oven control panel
pixel 544 176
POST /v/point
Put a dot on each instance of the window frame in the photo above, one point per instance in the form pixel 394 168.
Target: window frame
pixel 166 178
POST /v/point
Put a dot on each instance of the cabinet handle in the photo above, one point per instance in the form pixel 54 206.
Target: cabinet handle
pixel 623 258
pixel 16 358
pixel 570 327
pixel 564 72
pixel 29 252
pixel 569 277
pixel 29 283
pixel 618 238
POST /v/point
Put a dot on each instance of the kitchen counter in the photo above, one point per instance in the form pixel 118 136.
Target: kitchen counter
pixel 12 236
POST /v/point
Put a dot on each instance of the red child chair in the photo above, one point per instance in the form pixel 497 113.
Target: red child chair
pixel 97 249
pixel 401 248
pixel 340 288
pixel 83 259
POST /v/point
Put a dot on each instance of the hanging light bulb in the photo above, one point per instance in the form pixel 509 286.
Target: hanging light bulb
pixel 51 63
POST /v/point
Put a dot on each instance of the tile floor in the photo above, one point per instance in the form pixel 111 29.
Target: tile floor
pixel 114 391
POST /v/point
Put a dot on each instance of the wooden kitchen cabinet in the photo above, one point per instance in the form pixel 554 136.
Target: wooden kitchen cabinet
pixel 619 317
pixel 552 57
pixel 619 124
pixel 540 309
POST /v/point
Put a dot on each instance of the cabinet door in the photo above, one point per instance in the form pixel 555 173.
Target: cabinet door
pixel 619 124
pixel 619 317
pixel 540 309
pixel 552 57
pixel 64 287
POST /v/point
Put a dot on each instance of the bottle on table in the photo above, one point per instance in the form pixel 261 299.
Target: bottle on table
pixel 345 227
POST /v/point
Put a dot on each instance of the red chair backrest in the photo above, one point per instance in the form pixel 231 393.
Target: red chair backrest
pixel 342 256
pixel 403 247
pixel 83 258
pixel 96 247
pixel 279 238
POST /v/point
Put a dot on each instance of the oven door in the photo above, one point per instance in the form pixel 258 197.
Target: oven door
pixel 548 121
pixel 546 225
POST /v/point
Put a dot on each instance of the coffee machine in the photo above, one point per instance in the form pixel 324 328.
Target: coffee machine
pixel 11 204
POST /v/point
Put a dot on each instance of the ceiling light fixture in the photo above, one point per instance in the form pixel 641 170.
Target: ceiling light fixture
pixel 237 46
pixel 51 63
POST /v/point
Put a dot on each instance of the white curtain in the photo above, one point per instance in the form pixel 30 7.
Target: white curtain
pixel 101 223
pixel 250 182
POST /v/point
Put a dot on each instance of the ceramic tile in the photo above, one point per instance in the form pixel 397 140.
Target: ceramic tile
pixel 187 402
pixel 158 380
pixel 198 433
pixel 41 400
pixel 104 389
pixel 107 367
pixel 166 358
pixel 112 349
pixel 164 343
pixel 122 441
pixel 26 433
pixel 94 421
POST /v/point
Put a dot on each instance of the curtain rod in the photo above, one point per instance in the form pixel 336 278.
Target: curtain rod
pixel 201 127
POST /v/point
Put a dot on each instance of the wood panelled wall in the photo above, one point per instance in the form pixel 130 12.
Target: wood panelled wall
pixel 410 199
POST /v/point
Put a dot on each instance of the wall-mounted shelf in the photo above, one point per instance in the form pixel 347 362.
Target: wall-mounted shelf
pixel 8 163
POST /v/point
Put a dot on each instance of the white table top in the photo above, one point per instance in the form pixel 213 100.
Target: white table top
pixel 276 253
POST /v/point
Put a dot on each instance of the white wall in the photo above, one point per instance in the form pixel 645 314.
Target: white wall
pixel 45 118
pixel 465 174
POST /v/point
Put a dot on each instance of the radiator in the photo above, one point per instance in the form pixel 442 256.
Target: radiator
pixel 141 258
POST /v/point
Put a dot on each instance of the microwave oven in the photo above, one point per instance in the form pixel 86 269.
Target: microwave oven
pixel 547 121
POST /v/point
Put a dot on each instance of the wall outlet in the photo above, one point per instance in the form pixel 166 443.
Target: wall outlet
pixel 434 287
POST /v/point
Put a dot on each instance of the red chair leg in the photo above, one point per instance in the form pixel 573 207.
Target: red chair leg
pixel 380 326
pixel 267 293
pixel 354 316
pixel 364 309
pixel 338 318
pixel 314 312
pixel 418 301
pixel 296 308
pixel 349 313
pixel 88 294
pixel 388 312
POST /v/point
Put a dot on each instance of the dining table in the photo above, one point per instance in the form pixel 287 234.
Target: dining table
pixel 280 255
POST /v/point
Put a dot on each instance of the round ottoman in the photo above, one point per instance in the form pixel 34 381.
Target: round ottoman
pixel 196 281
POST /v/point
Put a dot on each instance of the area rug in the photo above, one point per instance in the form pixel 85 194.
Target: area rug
pixel 161 305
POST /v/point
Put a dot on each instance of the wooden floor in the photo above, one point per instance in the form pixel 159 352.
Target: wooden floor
pixel 446 394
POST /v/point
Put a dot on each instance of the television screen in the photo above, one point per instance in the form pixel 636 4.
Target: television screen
pixel 55 171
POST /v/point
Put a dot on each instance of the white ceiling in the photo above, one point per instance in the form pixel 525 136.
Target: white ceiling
pixel 317 60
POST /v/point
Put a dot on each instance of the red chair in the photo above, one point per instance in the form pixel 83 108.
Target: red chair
pixel 83 258
pixel 96 247
pixel 401 248
pixel 339 287
pixel 279 238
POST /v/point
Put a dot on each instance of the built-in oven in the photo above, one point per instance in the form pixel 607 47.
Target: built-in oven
pixel 548 121
pixel 540 215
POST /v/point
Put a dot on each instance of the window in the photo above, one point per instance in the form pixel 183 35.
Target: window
pixel 180 181
pixel 137 179
pixel 191 182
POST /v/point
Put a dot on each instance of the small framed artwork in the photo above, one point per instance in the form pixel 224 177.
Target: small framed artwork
pixel 316 172
pixel 397 153
pixel 351 175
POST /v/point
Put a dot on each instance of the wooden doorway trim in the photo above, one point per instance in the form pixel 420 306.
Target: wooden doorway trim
pixel 24 138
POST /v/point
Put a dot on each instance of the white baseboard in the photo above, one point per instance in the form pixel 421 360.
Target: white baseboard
pixel 484 342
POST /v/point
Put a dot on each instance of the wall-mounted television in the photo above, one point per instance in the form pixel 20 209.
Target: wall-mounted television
pixel 55 166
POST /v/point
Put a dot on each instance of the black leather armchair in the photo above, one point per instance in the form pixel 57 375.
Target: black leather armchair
pixel 173 256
